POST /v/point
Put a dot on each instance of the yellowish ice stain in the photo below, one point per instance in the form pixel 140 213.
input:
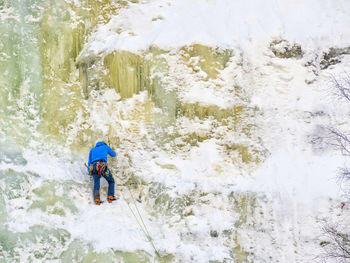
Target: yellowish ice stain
pixel 68 83
pixel 208 59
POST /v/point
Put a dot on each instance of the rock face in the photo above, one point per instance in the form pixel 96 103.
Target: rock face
pixel 333 56
pixel 284 49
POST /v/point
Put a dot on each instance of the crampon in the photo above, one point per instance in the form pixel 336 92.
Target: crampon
pixel 98 201
pixel 111 198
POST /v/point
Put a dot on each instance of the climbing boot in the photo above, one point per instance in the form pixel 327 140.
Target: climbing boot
pixel 111 198
pixel 98 201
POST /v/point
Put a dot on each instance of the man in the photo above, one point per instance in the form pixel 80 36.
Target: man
pixel 98 167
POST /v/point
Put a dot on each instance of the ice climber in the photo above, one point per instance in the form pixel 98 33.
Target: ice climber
pixel 98 167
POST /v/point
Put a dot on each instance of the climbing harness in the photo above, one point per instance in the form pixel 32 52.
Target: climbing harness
pixel 100 167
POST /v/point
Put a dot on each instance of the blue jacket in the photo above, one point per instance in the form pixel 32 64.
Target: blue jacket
pixel 99 152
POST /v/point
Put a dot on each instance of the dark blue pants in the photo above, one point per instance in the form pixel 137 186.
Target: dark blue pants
pixel 108 176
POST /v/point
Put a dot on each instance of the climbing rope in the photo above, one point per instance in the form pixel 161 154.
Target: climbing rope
pixel 142 226
pixel 139 220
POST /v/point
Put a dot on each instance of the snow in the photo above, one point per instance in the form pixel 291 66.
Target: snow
pixel 296 176
pixel 294 172
pixel 232 24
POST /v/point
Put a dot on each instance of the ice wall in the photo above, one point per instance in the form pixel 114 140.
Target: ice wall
pixel 213 122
